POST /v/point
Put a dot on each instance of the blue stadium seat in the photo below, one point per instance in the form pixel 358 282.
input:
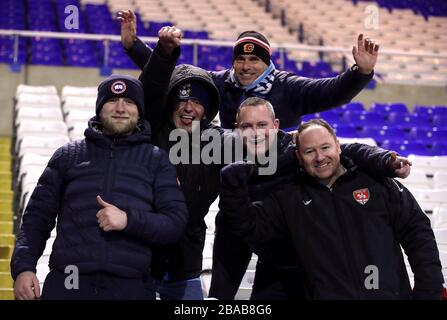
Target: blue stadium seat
pixel 429 134
pixel 352 106
pixel 385 108
pixel 440 121
pixel 423 110
pixel 331 117
pixel 408 121
pixel 346 131
pixel 439 110
pixel 439 148
pixel 363 119
pixel 195 34
pixel 406 148
pixel 308 117
pixel 385 133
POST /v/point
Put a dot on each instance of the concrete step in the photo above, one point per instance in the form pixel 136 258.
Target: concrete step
pixel 7 240
pixel 5 205
pixel 6 227
pixel 5 140
pixel 6 194
pixel 5 265
pixel 5 165
pixel 6 216
pixel 5 156
pixel 6 294
pixel 6 280
pixel 6 251
pixel 5 175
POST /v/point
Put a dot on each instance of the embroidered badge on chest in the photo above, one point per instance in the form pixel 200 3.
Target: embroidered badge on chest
pixel 361 195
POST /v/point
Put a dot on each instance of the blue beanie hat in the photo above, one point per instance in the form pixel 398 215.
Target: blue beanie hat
pixel 119 85
pixel 193 89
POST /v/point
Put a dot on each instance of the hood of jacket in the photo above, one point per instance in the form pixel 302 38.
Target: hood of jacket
pixel 185 72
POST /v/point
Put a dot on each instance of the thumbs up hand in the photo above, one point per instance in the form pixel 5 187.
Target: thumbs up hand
pixel 110 217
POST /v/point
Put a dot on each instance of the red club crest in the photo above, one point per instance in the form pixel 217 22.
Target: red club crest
pixel 361 195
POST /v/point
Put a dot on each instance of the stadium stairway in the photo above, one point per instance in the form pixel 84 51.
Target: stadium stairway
pixel 6 220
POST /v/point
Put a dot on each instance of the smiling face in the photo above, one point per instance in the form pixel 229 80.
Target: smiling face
pixel 119 116
pixel 319 153
pixel 185 112
pixel 247 68
pixel 257 126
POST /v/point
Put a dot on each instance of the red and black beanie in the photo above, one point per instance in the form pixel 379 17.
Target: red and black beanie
pixel 119 85
pixel 252 42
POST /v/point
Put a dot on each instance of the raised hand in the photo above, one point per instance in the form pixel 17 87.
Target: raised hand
pixel 365 54
pixel 128 22
pixel 237 174
pixel 169 37
pixel 110 217
pixel 401 165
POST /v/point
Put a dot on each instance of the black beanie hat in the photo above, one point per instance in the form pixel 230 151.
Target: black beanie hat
pixel 119 85
pixel 252 42
pixel 193 89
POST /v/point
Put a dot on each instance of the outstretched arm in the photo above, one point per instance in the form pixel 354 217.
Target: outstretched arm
pixel 377 161
pixel 156 76
pixel 137 51
pixel 314 95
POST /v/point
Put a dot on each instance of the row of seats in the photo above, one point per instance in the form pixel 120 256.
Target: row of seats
pixel 228 21
pixel 337 23
pixel 426 8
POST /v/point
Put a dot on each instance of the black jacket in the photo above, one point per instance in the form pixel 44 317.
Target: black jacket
pixel 337 237
pixel 292 96
pixel 199 181
pixel 231 255
pixel 128 172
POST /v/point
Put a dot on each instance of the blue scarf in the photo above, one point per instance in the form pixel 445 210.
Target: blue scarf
pixel 261 86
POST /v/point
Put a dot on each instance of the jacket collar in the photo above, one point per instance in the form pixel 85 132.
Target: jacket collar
pixel 93 133
pixel 345 161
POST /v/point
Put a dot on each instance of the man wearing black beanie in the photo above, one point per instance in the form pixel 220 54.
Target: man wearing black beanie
pixel 253 74
pixel 114 195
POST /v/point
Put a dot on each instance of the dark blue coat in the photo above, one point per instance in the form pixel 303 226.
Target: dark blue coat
pixel 128 172
pixel 292 96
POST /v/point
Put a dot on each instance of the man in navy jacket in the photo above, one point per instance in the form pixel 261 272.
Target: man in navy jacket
pixel 254 74
pixel 114 195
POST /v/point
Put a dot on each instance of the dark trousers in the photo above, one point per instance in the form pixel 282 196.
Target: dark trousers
pixel 231 257
pixel 96 286
pixel 274 283
pixel 190 289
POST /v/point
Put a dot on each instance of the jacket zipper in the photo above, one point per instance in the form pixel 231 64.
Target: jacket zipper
pixel 106 193
pixel 351 262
